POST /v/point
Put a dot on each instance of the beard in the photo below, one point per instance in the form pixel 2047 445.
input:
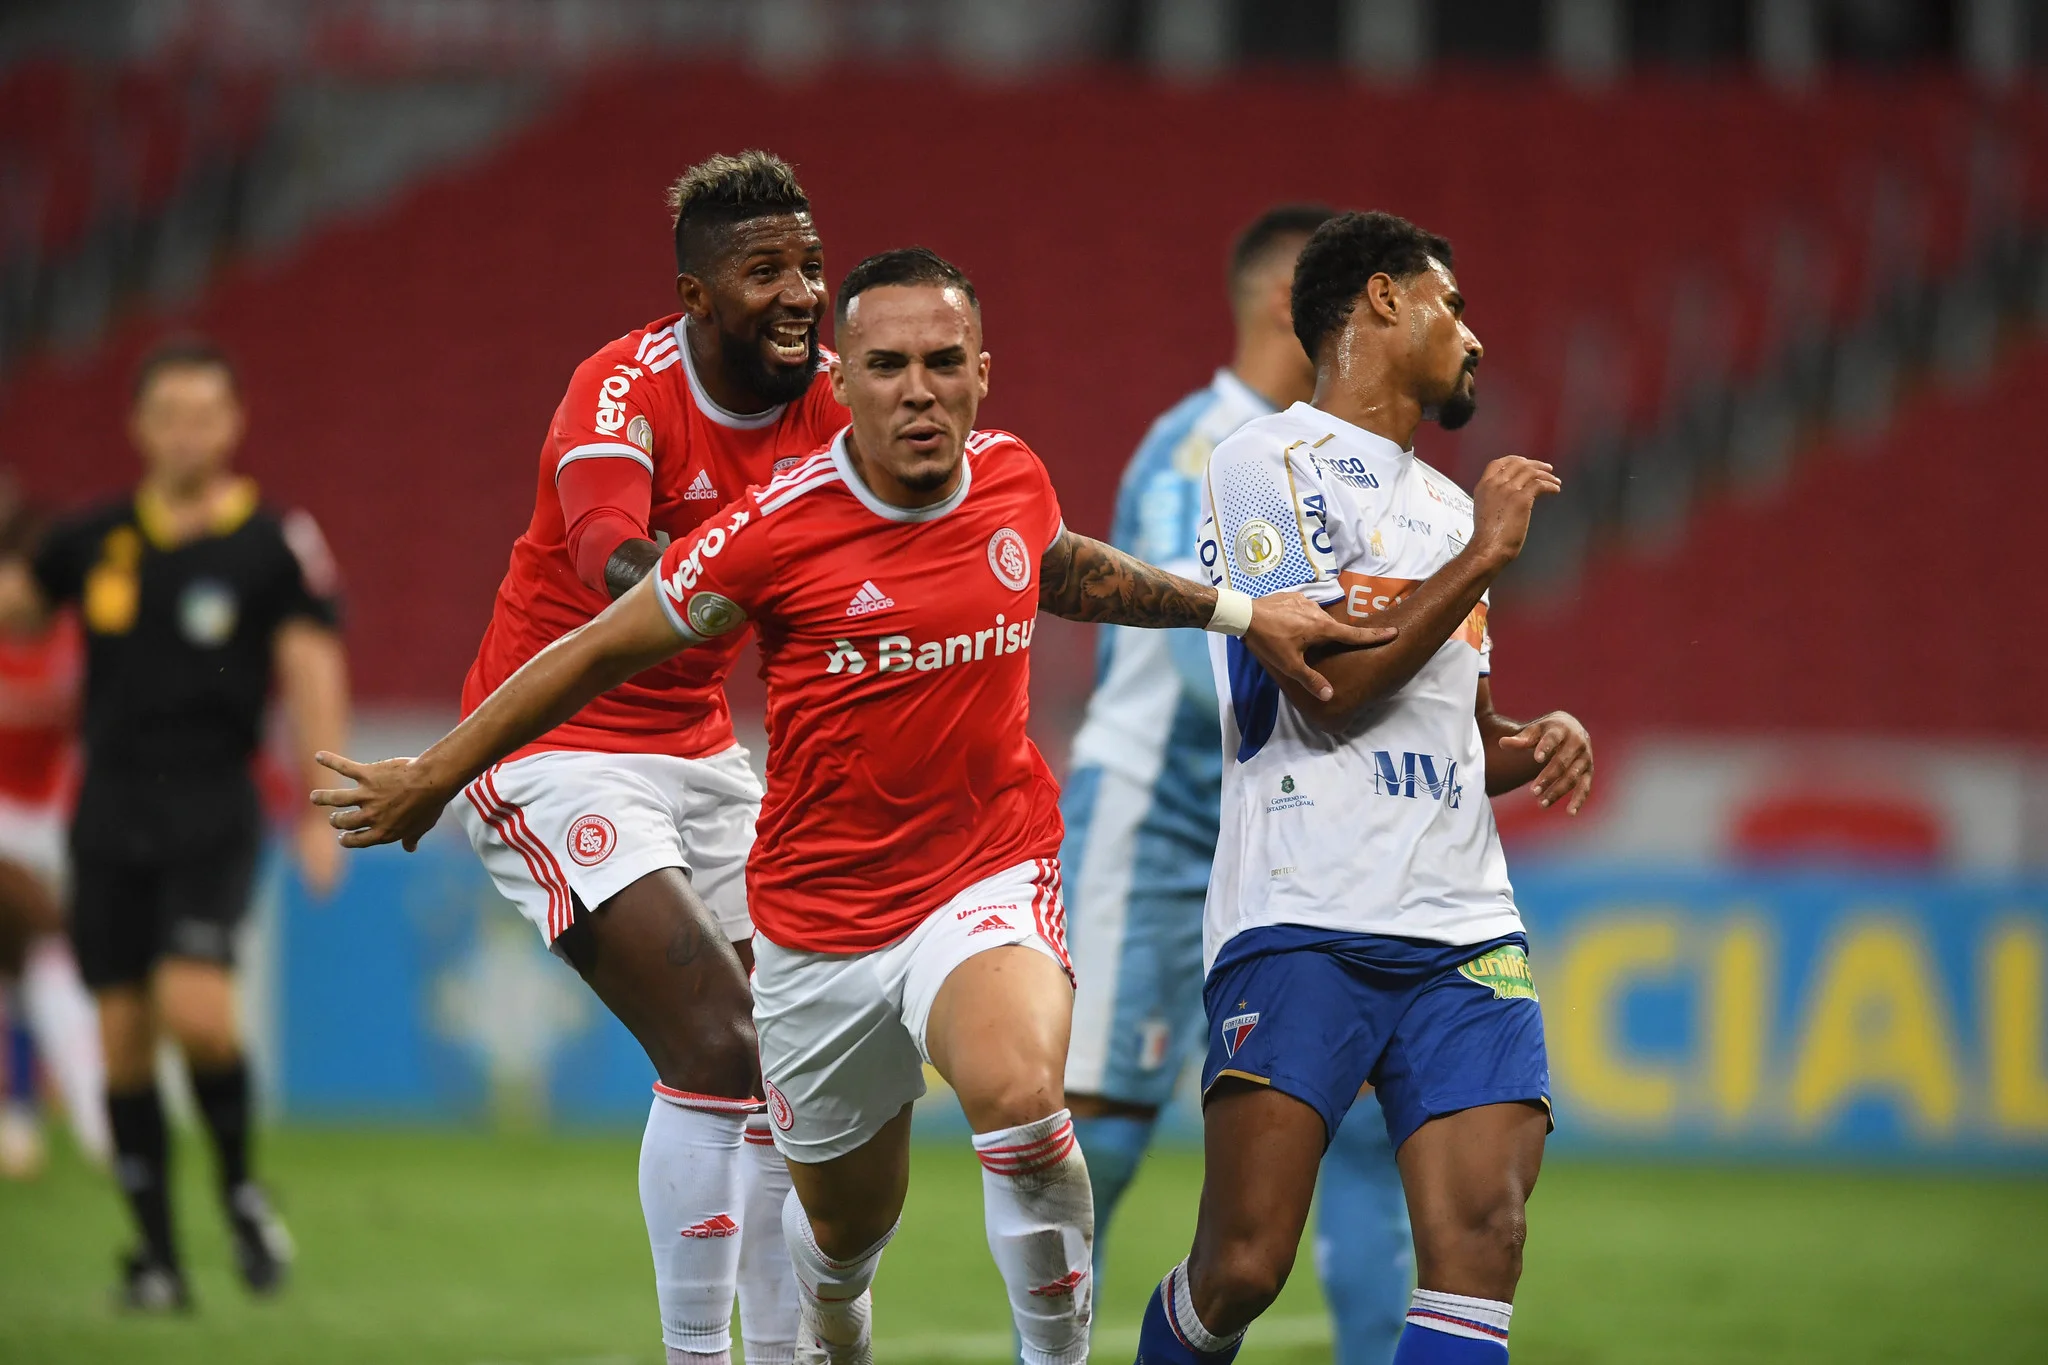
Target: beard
pixel 1456 410
pixel 772 384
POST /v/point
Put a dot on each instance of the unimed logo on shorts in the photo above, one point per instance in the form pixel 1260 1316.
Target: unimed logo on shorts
pixel 591 839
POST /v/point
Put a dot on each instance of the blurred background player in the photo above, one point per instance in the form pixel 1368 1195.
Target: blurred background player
pixel 194 598
pixel 47 1013
pixel 623 833
pixel 1141 808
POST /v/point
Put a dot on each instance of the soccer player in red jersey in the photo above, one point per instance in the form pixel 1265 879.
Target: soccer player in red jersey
pixel 906 879
pixel 622 832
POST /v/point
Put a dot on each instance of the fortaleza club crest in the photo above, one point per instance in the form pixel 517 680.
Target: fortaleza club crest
pixel 591 839
pixel 1236 1029
pixel 1009 559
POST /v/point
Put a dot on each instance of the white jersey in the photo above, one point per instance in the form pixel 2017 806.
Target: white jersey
pixel 1384 829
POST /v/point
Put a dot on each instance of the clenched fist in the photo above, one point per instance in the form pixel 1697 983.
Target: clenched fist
pixel 1502 501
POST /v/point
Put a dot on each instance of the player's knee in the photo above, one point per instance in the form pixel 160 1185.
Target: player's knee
pixel 1024 1096
pixel 1236 1282
pixel 721 1058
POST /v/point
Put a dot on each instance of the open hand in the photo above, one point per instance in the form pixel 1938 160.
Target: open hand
pixel 1566 752
pixel 1286 626
pixel 391 802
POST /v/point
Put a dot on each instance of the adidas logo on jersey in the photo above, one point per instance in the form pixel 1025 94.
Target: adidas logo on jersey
pixel 701 489
pixel 869 598
pixel 992 922
pixel 717 1225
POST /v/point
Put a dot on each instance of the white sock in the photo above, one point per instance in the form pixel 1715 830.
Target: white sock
pixel 769 1306
pixel 1461 1315
pixel 1041 1230
pixel 689 1192
pixel 838 1313
pixel 1180 1301
pixel 66 1025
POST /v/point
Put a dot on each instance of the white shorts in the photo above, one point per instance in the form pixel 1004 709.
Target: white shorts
pixel 843 1034
pixel 574 825
pixel 33 836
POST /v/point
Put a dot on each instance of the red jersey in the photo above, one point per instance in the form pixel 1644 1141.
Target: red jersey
pixel 40 680
pixel 638 407
pixel 896 647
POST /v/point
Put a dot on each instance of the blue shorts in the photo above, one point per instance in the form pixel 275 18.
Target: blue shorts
pixel 1133 886
pixel 1435 1028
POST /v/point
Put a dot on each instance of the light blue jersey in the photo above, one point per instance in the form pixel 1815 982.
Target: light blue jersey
pixel 1141 799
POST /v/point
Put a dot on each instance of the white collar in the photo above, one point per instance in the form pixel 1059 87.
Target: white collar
pixel 1227 385
pixel 889 511
pixel 1373 443
pixel 725 417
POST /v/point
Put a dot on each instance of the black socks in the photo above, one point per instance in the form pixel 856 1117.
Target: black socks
pixel 223 1098
pixel 142 1166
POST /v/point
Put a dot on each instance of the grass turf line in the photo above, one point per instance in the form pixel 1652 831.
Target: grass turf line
pixel 470 1249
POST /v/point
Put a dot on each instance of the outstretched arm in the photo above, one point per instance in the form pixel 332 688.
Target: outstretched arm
pixel 400 799
pixel 1086 580
pixel 1554 750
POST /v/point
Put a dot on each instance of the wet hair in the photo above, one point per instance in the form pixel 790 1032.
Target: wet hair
pixel 1342 256
pixel 1274 228
pixel 180 353
pixel 904 265
pixel 719 191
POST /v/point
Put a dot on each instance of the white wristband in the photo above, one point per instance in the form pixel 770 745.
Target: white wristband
pixel 1233 614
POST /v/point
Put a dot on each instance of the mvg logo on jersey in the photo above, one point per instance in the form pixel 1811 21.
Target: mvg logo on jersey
pixel 1415 776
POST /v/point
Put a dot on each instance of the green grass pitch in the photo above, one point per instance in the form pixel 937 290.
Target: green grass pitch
pixel 468 1249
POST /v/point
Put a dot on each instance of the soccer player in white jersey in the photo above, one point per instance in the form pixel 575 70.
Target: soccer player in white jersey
pixel 904 884
pixel 1140 805
pixel 1360 925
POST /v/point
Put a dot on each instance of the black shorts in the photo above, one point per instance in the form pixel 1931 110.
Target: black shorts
pixel 141 893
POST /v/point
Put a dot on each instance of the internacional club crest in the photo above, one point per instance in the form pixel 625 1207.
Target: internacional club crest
pixel 592 839
pixel 778 1109
pixel 1009 559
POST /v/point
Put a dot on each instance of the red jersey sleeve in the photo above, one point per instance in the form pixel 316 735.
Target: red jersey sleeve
pixel 714 580
pixel 602 442
pixel 1045 499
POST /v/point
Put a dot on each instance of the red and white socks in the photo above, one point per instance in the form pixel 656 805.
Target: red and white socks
pixel 769 1305
pixel 837 1319
pixel 690 1195
pixel 1041 1231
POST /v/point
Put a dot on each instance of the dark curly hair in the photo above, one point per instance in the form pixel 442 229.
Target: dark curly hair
pixel 722 190
pixel 1342 256
pixel 904 265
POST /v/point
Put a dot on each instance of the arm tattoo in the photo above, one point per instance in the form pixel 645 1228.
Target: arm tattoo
pixel 1085 580
pixel 630 563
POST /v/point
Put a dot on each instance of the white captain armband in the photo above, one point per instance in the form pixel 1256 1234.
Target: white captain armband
pixel 1233 614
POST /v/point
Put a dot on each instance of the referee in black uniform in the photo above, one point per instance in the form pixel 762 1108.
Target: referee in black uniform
pixel 195 598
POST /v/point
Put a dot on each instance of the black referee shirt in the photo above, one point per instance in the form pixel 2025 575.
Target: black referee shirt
pixel 179 637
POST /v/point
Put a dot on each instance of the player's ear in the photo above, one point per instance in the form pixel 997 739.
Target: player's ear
pixel 981 375
pixel 695 298
pixel 1384 297
pixel 836 367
